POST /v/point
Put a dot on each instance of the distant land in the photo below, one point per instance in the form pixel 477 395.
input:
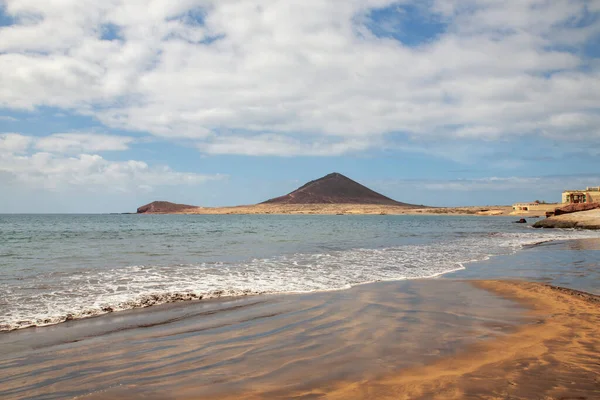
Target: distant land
pixel 335 188
pixel 333 194
pixel 163 207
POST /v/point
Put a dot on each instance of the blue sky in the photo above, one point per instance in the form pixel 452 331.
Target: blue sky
pixel 105 106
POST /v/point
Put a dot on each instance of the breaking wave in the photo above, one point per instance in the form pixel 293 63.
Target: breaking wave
pixel 59 296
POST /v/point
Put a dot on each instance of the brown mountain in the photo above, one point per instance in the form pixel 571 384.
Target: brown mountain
pixel 160 207
pixel 335 189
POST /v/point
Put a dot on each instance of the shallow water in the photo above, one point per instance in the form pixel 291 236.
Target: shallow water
pixel 569 263
pixel 61 267
pixel 279 343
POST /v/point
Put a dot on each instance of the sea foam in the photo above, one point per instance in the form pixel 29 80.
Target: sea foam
pixel 55 297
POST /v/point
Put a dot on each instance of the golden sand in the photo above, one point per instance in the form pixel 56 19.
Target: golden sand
pixel 556 358
pixel 429 339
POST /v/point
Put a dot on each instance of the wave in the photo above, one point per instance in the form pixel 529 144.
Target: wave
pixel 56 297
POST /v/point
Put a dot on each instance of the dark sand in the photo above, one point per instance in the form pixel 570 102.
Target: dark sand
pixel 269 346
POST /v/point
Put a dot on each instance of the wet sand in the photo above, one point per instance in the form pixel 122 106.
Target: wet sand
pixel 557 357
pixel 264 346
pixel 423 339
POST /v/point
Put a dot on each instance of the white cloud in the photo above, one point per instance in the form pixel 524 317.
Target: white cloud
pixel 74 143
pixel 310 70
pixel 14 143
pixel 277 145
pixel 52 169
pixel 555 184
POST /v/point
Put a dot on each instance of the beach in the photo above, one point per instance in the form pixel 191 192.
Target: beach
pixel 275 346
pixel 426 322
pixel 555 357
pixel 417 339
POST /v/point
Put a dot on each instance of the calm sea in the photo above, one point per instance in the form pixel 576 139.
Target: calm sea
pixel 60 267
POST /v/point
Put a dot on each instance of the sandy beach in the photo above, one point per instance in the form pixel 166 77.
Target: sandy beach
pixel 413 339
pixel 556 357
pixel 270 346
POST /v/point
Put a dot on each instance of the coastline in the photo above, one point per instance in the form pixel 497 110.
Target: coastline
pixel 352 209
pixel 422 339
pixel 225 348
pixel 551 353
pixel 447 337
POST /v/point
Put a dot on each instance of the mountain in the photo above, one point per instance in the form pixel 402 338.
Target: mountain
pixel 160 207
pixel 335 189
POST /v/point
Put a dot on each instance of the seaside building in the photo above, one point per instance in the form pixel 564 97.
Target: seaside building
pixel 589 195
pixel 534 206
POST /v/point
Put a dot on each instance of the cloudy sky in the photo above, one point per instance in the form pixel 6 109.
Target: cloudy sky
pixel 107 105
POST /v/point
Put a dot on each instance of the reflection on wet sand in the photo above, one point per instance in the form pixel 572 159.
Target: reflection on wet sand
pixel 554 358
pixel 266 344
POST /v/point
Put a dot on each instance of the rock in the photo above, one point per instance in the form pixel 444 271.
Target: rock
pixel 578 207
pixel 580 220
pixel 521 221
pixel 551 223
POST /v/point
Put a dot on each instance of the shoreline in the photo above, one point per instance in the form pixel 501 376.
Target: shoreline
pixel 479 334
pixel 553 357
pixel 461 339
pixel 163 300
pixel 224 298
pixel 231 346
pixel 351 209
pixel 185 298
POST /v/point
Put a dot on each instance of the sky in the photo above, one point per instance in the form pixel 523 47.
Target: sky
pixel 109 105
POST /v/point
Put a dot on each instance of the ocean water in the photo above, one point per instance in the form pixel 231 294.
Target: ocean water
pixel 61 267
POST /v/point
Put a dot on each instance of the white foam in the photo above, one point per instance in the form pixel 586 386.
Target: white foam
pixel 88 293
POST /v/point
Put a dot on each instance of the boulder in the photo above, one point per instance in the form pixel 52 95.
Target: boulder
pixel 521 221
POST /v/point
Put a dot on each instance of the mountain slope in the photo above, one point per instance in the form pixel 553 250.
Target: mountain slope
pixel 334 188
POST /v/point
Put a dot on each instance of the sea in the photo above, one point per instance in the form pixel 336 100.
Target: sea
pixel 56 268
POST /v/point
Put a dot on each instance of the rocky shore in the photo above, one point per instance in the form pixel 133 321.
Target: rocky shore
pixel 579 220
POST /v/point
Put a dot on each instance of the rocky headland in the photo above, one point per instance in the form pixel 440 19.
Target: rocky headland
pixel 164 207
